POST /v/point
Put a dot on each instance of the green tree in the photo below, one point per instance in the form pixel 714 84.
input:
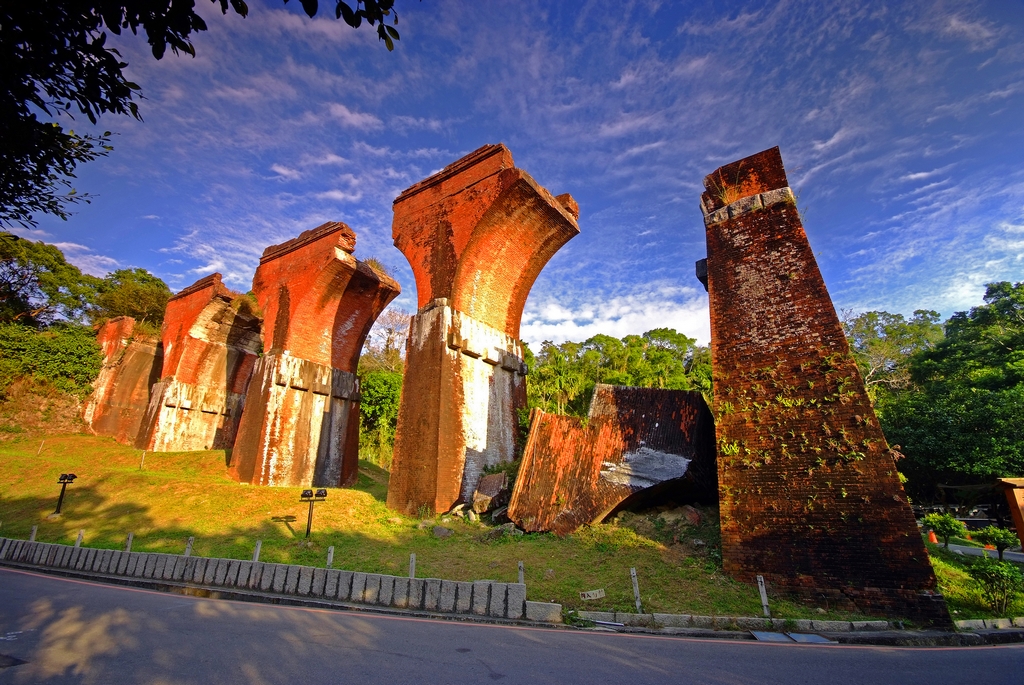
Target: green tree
pixel 135 293
pixel 56 58
pixel 960 420
pixel 38 286
pixel 1000 581
pixel 381 397
pixel 883 344
pixel 945 526
pixel 1000 538
pixel 65 356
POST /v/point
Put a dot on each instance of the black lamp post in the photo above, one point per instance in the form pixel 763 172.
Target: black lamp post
pixel 64 479
pixel 309 496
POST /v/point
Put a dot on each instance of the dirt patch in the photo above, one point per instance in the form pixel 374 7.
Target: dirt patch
pixel 36 408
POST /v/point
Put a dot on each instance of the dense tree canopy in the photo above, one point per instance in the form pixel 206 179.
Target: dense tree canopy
pixel 132 292
pixel 38 286
pixel 959 420
pixel 883 344
pixel 56 62
pixel 562 377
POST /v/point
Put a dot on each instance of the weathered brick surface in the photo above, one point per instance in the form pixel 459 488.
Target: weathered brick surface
pixel 637 442
pixel 211 340
pixel 477 235
pixel 1013 488
pixel 300 424
pixel 121 392
pixel 810 497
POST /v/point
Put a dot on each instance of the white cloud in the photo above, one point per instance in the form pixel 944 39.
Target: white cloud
pixel 352 119
pixel 285 173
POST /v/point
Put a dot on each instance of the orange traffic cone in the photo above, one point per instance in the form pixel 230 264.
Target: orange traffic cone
pixel 931 537
pixel 969 537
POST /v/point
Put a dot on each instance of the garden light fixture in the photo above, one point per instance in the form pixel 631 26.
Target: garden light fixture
pixel 311 497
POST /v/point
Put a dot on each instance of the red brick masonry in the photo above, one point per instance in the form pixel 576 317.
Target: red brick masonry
pixel 300 425
pixel 121 392
pixel 211 340
pixel 477 235
pixel 809 493
pixel 637 442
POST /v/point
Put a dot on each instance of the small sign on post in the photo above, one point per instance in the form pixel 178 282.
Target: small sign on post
pixel 188 546
pixel 592 594
pixel 636 590
pixel 35 529
pixel 522 574
pixel 81 534
pixel 330 556
pixel 764 597
pixel 412 565
pixel 256 553
pixel 128 545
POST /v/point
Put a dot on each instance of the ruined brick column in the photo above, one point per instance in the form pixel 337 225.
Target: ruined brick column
pixel 300 424
pixel 121 392
pixel 211 340
pixel 477 235
pixel 810 497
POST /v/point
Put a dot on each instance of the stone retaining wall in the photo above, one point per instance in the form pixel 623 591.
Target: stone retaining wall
pixel 481 598
pixel 729 622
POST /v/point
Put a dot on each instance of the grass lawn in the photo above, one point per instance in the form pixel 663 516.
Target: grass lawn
pixel 179 495
pixel 963 595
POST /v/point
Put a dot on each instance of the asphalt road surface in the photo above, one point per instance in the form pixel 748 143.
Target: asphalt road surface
pixel 68 631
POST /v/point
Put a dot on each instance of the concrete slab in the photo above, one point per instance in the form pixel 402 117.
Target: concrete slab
pixel 280 577
pixel 830 626
pixel 400 597
pixel 172 562
pixel 546 612
pixel 431 593
pixel 446 602
pixel 291 580
pixel 415 593
pixel 387 591
pixel 481 597
pixel 316 586
pixel 158 568
pixel 242 577
pixel 4 542
pixel 212 566
pixel 255 575
pixel 220 576
pixel 199 570
pixel 497 605
pixel 358 587
pixel 331 578
pixel 344 590
pixel 463 597
pixel 305 580
pixel 870 625
pixel 178 572
pixel 150 566
pixel 371 590
pixel 515 603
pixel 630 619
pixel 672 620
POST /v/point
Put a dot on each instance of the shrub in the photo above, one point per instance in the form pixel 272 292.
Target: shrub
pixel 1000 581
pixel 65 356
pixel 945 526
pixel 1000 538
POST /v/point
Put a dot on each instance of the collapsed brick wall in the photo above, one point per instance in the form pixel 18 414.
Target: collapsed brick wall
pixel 121 391
pixel 300 423
pixel 636 443
pixel 211 340
pixel 809 493
pixel 477 235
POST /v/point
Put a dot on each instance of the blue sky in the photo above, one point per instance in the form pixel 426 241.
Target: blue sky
pixel 901 125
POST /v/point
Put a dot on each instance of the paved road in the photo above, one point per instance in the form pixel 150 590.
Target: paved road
pixel 979 551
pixel 70 631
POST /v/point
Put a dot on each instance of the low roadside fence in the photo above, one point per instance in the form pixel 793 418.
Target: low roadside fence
pixel 484 598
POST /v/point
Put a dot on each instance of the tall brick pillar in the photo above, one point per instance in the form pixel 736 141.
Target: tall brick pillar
pixel 121 392
pixel 300 424
pixel 211 340
pixel 810 497
pixel 477 235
